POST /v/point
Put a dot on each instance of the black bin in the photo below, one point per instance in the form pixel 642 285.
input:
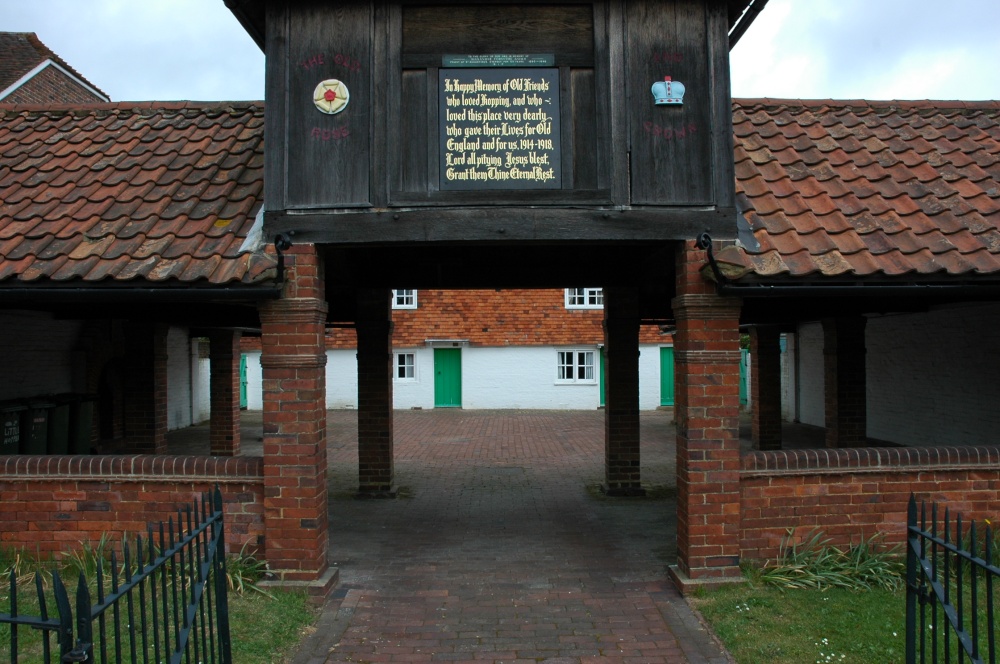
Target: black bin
pixel 35 427
pixel 59 423
pixel 81 423
pixel 10 426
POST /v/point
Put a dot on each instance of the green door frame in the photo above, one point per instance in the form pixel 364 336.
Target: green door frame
pixel 447 377
pixel 243 382
pixel 666 375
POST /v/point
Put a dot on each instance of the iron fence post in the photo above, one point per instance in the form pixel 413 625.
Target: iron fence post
pixel 912 541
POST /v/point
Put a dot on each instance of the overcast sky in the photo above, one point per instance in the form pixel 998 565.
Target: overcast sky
pixel 842 49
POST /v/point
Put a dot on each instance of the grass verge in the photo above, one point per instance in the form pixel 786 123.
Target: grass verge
pixel 767 625
pixel 266 627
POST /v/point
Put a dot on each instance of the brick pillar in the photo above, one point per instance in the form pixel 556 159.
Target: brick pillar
pixel 621 396
pixel 375 452
pixel 706 412
pixel 765 374
pixel 293 359
pixel 224 359
pixel 145 383
pixel 844 381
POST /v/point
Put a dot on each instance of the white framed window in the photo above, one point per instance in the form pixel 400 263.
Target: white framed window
pixel 404 298
pixel 584 298
pixel 576 366
pixel 404 366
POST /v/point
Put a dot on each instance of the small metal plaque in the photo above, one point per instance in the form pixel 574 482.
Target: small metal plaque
pixel 499 129
pixel 500 60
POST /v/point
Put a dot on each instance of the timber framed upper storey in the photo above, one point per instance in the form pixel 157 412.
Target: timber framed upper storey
pixel 371 170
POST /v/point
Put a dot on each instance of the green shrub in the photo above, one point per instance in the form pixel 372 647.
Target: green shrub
pixel 814 563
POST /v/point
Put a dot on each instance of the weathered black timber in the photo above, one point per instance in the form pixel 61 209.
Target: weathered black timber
pixel 333 178
pixel 431 224
pixel 566 30
pixel 329 155
pixel 672 157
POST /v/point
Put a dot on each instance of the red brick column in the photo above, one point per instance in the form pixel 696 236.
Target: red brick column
pixel 293 359
pixel 706 412
pixel 224 359
pixel 145 393
pixel 765 374
pixel 844 381
pixel 375 451
pixel 621 396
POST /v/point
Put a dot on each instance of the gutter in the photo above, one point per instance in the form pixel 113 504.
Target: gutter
pixel 743 23
pixel 725 286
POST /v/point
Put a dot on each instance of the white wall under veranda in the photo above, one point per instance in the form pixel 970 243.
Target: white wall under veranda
pixel 178 379
pixel 809 354
pixel 507 377
pixel 933 377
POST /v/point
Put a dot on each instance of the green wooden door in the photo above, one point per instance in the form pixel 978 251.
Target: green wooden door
pixel 744 360
pixel 667 376
pixel 243 381
pixel 447 377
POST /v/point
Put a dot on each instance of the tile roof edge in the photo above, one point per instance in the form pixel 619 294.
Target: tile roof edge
pixel 868 103
pixel 130 106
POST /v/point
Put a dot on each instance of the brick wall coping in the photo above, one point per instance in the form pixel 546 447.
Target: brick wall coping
pixel 867 459
pixel 144 467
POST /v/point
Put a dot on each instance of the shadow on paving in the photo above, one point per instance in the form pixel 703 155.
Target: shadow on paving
pixel 501 548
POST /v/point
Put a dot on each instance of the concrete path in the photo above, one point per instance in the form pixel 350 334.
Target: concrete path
pixel 500 548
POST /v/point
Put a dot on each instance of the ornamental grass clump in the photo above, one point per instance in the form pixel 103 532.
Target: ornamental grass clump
pixel 814 563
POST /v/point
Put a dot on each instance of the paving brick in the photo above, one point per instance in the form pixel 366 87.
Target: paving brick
pixel 501 548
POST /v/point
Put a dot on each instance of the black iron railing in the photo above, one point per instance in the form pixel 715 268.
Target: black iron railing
pixel 950 573
pixel 164 601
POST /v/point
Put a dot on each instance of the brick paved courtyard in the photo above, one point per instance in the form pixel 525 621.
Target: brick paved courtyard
pixel 501 548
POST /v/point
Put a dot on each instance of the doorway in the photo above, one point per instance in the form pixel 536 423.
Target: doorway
pixel 447 377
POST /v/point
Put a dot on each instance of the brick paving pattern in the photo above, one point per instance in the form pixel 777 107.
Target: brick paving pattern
pixel 500 547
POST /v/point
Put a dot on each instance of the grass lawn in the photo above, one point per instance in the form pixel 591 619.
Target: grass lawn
pixel 765 625
pixel 287 617
pixel 263 630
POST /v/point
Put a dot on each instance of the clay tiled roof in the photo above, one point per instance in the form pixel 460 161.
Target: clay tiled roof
pixel 20 52
pixel 130 192
pixel 857 190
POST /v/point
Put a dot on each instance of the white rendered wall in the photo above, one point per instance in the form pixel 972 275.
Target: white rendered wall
pixel 178 378
pixel 201 383
pixel 934 378
pixel 649 377
pixel 341 379
pixel 508 377
pixel 523 377
pixel 789 362
pixel 255 381
pixel 812 407
pixel 419 392
pixel 45 360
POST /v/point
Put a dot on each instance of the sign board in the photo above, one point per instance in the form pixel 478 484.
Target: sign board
pixel 499 128
pixel 499 60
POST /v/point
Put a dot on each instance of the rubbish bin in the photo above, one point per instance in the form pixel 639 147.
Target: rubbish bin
pixel 59 419
pixel 10 426
pixel 35 431
pixel 81 423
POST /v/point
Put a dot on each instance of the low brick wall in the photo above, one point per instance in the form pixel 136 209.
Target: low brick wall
pixel 855 493
pixel 51 503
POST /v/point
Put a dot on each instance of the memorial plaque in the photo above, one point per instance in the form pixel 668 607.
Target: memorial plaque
pixel 499 128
